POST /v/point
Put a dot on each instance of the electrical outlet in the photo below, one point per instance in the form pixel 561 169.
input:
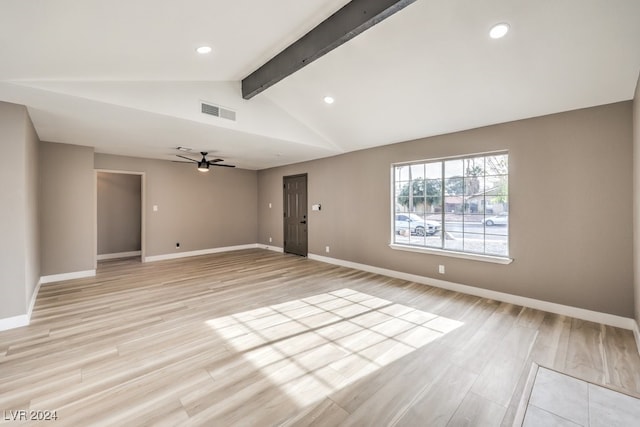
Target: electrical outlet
pixel 155 208
pixel 441 269
pixel 326 249
pixel 269 205
pixel 270 239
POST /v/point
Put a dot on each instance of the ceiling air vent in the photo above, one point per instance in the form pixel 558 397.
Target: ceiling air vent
pixel 217 111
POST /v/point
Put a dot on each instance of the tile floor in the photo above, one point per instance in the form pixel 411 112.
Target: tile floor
pixel 560 400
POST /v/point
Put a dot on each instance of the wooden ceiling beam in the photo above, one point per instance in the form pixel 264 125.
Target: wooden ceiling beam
pixel 352 19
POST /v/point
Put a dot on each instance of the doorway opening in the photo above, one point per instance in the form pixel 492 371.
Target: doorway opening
pixel 295 214
pixel 119 215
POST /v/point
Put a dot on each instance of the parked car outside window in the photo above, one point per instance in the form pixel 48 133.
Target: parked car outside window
pixel 415 225
pixel 500 219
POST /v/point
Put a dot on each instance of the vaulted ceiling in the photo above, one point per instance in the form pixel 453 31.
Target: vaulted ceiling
pixel 124 76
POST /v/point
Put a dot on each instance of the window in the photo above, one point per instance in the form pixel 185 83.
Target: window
pixel 455 204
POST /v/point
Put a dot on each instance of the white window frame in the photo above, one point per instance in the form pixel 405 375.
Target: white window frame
pixel 498 259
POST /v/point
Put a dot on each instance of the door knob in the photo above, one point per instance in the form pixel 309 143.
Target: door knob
pixel 303 222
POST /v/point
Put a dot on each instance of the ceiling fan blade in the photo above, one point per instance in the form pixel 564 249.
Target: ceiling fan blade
pixel 183 157
pixel 179 161
pixel 222 166
pixel 216 160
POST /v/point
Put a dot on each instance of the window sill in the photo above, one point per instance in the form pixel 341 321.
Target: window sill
pixel 442 252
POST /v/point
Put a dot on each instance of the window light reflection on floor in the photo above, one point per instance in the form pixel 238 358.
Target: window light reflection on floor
pixel 313 346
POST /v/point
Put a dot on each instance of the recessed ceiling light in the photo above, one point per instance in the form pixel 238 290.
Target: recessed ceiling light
pixel 499 30
pixel 329 99
pixel 204 50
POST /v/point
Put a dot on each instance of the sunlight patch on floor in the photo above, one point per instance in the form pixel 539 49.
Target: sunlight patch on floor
pixel 313 346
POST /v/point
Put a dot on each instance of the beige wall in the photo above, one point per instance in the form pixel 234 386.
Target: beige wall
pixel 32 212
pixel 67 208
pixel 199 210
pixel 636 199
pixel 119 212
pixel 570 208
pixel 12 210
pixel 19 259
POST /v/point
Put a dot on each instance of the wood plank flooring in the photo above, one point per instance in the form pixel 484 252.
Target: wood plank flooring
pixel 259 338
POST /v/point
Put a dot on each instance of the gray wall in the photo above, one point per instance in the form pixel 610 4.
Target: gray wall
pixel 119 212
pixel 570 190
pixel 67 208
pixel 19 259
pixel 636 199
pixel 199 210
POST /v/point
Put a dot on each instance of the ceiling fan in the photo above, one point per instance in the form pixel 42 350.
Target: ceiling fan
pixel 204 164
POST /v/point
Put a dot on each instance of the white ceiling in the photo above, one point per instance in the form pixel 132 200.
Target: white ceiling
pixel 123 76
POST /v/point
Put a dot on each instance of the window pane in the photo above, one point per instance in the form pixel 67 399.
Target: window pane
pixel 402 173
pixel 480 203
pixel 453 204
pixel 473 224
pixel 497 165
pixel 402 204
pixel 418 205
pixel 474 242
pixel 453 241
pixel 497 224
pixel 473 186
pixel 417 239
pixel 453 168
pixel 497 230
pixel 497 205
pixel 417 188
pixel 402 188
pixel 496 245
pixel 474 204
pixel 497 184
pixel 433 170
pixel 454 186
pixel 474 166
pixel 434 240
pixel 433 187
pixel 417 171
pixel 433 199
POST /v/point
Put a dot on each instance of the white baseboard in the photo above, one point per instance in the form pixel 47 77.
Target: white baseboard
pixel 67 276
pixel 23 319
pixel 119 255
pixel 14 322
pixel 271 248
pixel 565 310
pixel 200 252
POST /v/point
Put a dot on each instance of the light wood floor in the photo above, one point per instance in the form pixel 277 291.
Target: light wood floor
pixel 260 338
